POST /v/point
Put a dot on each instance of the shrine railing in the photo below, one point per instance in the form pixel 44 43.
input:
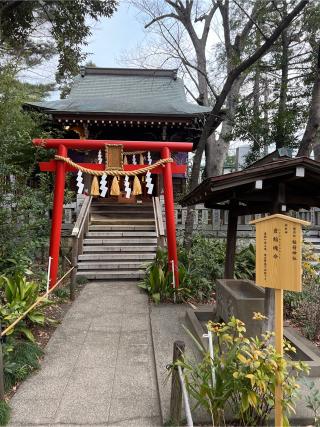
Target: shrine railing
pixel 80 228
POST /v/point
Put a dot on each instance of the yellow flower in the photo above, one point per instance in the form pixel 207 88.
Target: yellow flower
pixel 258 316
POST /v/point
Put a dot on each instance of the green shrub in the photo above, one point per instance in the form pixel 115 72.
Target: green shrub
pixel 19 295
pixel 241 377
pixel 4 413
pixel 198 269
pixel 20 358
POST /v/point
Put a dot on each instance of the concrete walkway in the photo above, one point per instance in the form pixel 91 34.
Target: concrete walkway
pixel 99 365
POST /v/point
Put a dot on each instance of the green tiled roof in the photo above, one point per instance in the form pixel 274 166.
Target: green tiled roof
pixel 127 92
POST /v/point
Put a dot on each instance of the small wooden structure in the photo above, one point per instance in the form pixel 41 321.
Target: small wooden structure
pixel 279 186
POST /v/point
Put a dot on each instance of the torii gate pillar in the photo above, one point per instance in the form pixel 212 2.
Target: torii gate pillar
pixel 170 219
pixel 57 214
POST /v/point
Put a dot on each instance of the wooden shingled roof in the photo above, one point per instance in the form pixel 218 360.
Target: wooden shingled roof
pixel 294 183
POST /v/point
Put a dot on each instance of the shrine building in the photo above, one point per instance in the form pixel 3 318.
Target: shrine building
pixel 127 104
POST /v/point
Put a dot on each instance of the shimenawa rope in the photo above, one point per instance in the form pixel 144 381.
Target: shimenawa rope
pixel 140 171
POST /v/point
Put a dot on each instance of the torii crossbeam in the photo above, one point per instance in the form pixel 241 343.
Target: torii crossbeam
pixel 61 168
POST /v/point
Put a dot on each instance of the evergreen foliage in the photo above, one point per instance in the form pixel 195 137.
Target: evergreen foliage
pixel 64 29
pixel 4 413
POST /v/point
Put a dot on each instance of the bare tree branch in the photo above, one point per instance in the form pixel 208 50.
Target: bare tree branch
pixel 159 18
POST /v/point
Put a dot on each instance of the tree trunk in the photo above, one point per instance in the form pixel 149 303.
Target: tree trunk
pixel 313 123
pixel 281 135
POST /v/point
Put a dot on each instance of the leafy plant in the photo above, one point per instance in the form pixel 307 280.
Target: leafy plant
pixel 242 375
pixel 20 358
pixel 19 295
pixel 4 413
pixel 245 263
pixel 313 401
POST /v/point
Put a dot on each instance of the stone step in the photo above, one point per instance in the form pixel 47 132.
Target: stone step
pixel 106 202
pixel 129 234
pixel 111 275
pixel 112 265
pixel 120 214
pixel 312 239
pixel 121 227
pixel 122 221
pixel 138 257
pixel 119 249
pixel 122 208
pixel 147 241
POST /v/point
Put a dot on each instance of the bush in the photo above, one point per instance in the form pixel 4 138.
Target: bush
pixel 20 294
pixel 4 413
pixel 20 358
pixel 198 270
pixel 303 308
pixel 241 377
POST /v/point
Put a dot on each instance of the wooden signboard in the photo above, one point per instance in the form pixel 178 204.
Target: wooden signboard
pixel 278 259
pixel 278 266
pixel 114 157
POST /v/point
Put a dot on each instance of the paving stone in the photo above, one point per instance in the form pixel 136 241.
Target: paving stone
pixel 70 335
pixel 134 355
pixel 29 412
pixel 138 422
pixel 136 322
pixel 57 366
pixel 123 409
pixel 108 322
pixel 88 411
pixel 134 337
pixel 101 356
pixel 60 348
pixel 35 388
pixel 102 337
pixel 135 381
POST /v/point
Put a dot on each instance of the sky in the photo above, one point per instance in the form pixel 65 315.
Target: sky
pixel 113 36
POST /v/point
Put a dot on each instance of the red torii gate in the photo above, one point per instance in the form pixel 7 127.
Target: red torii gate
pixel 61 168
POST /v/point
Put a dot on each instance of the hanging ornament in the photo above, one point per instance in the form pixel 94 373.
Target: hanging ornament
pixel 134 160
pixel 149 159
pixel 80 183
pixel 103 186
pixel 141 159
pixel 137 190
pixel 127 188
pixel 115 189
pixel 99 157
pixel 95 187
pixel 149 184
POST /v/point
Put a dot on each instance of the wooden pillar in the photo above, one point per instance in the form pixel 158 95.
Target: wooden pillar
pixel 231 243
pixel 269 295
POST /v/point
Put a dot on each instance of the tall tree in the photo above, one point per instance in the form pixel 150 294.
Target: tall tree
pixel 41 28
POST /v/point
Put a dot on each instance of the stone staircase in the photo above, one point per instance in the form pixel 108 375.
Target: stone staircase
pixel 120 240
pixel 312 236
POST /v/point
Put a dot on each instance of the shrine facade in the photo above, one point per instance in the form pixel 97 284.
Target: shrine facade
pixel 127 104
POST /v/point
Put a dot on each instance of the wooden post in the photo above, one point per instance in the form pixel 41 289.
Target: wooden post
pixel 1 371
pixel 231 244
pixel 279 349
pixel 176 390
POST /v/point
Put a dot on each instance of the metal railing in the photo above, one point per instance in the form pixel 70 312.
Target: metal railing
pixel 178 388
pixel 79 230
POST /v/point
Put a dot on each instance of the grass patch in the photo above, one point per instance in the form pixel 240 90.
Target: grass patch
pixel 4 413
pixel 20 359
